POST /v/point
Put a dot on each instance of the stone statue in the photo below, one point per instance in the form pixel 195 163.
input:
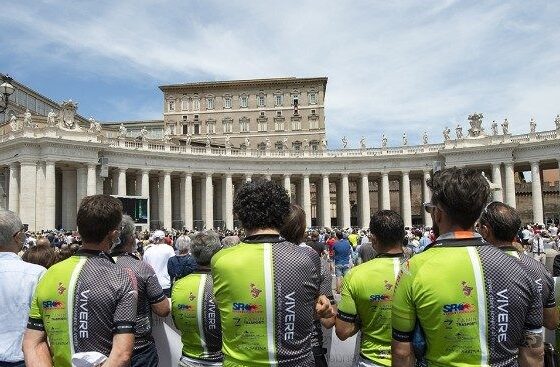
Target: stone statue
pixel 285 143
pixel 247 143
pixel 305 144
pixel 494 128
pixel 324 143
pixel 475 120
pixel 384 141
pixel 557 122
pixel 404 139
pixel 27 119
pixel 459 131
pixel 447 134
pixel 425 138
pixel 533 125
pixel 51 118
pixel 227 142
pixel 122 131
pixel 13 123
pixel 94 126
pixel 143 133
pixel 505 127
pixel 344 142
pixel 208 141
pixel 267 144
pixel 189 139
pixel 363 143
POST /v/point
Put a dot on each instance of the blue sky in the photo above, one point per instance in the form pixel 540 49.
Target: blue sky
pixel 392 66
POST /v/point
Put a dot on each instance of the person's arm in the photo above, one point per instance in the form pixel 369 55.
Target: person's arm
pixel 550 318
pixel 162 308
pixel 556 266
pixel 159 303
pixel 403 317
pixel 121 352
pixel 345 329
pixel 401 353
pixel 35 349
pixel 531 354
pixel 550 311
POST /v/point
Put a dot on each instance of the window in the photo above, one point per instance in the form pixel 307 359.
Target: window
pixel 227 125
pixel 244 102
pixel 184 105
pixel 196 104
pixel 295 100
pixel 261 100
pixel 185 117
pixel 279 125
pixel 185 129
pixel 210 127
pixel 278 100
pixel 296 125
pixel 313 124
pixel 196 117
pixel 278 113
pixel 279 145
pixel 262 113
pixel 312 98
pixel 196 129
pixel 261 146
pixel 171 105
pixel 210 103
pixel 296 145
pixel 314 145
pixel 227 102
pixel 261 126
pixel 244 125
pixel 313 112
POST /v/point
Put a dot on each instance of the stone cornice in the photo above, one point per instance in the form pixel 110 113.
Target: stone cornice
pixel 271 82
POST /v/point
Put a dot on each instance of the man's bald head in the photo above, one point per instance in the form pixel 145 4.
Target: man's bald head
pixel 503 220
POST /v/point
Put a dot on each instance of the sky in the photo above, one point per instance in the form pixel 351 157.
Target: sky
pixel 393 66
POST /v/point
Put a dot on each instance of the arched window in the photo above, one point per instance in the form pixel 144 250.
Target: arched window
pixel 296 145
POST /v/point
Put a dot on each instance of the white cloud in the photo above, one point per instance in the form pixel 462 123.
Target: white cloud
pixel 392 67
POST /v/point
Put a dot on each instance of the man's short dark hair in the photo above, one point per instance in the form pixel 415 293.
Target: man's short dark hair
pixel 461 192
pixel 294 226
pixel 502 219
pixel 97 216
pixel 388 227
pixel 261 204
pixel 339 235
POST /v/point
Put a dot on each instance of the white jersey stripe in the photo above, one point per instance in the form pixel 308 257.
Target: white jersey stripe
pixel 199 315
pixel 269 292
pixel 70 302
pixel 397 266
pixel 481 307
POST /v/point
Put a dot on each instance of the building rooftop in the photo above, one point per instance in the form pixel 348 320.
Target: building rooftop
pixel 242 82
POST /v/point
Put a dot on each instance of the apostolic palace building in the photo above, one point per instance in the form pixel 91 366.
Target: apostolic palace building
pixel 182 171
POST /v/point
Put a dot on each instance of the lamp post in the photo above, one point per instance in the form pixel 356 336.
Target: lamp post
pixel 6 90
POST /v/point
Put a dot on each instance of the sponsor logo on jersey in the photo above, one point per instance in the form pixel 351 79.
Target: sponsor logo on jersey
pixel 467 289
pixel 52 305
pixel 60 290
pixel 211 313
pixel 458 308
pixel 388 285
pixel 83 315
pixel 245 307
pixel 503 314
pixel 255 292
pixel 290 316
pixel 183 307
pixel 379 298
pixel 192 297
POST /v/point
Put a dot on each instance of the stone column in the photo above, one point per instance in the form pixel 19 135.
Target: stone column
pixel 69 196
pixel 167 214
pixel 345 201
pixel 306 187
pixel 115 181
pixel 145 183
pixel 228 201
pixel 288 185
pixel 81 185
pixel 405 199
pixel 510 184
pixel 187 200
pixel 160 198
pixel 50 195
pixel 27 198
pixel 13 195
pixel 536 193
pixel 91 179
pixel 121 185
pixel 326 200
pixel 385 193
pixel 497 195
pixel 365 204
pixel 40 197
pixel 426 197
pixel 208 201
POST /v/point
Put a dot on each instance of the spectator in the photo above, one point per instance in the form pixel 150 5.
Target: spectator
pixel 230 241
pixel 192 296
pixel 150 296
pixel 183 264
pixel 157 257
pixel 85 303
pixel 43 241
pixel 342 252
pixel 18 280
pixel 462 278
pixel 261 285
pixel 40 255
pixel 366 252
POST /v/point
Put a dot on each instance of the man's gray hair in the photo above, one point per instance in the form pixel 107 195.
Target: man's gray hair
pixel 127 231
pixel 9 225
pixel 230 241
pixel 183 244
pixel 204 245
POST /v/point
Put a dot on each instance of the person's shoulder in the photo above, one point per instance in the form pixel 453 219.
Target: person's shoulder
pixel 34 269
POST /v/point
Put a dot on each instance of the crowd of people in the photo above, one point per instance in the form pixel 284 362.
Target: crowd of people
pixel 472 290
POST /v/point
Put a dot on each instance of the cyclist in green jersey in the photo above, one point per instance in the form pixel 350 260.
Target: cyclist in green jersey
pixel 85 303
pixel 194 308
pixel 367 292
pixel 267 289
pixel 499 224
pixel 474 303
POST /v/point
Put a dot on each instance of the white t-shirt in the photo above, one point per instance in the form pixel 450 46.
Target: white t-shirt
pixel 157 256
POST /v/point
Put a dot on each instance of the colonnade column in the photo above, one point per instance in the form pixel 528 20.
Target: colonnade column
pixel 326 200
pixel 406 205
pixel 27 198
pixel 167 224
pixel 13 199
pixel 288 185
pixel 497 195
pixel 188 200
pixel 345 198
pixel 69 196
pixel 536 193
pixel 365 204
pixel 385 194
pixel 208 201
pixel 91 179
pixel 145 183
pixel 306 187
pixel 121 186
pixel 50 196
pixel 426 197
pixel 510 184
pixel 228 201
pixel 81 185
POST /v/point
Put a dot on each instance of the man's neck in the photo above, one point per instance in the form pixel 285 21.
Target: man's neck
pixel 454 228
pixel 500 244
pixel 262 231
pixel 95 246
